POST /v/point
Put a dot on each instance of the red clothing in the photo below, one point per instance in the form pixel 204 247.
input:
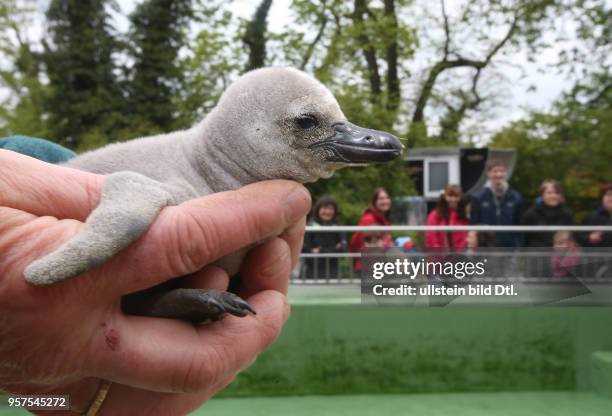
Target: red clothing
pixel 371 216
pixel 440 239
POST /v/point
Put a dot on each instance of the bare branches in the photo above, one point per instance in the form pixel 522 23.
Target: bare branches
pixel 322 17
pixel 435 71
pixel 447 36
pixel 455 114
pixel 504 40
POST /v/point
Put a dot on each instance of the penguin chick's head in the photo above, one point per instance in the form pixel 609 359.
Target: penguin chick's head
pixel 282 123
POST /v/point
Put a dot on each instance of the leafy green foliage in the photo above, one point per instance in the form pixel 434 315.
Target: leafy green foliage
pixel 353 186
pixel 214 56
pixel 158 33
pixel 573 144
pixel 394 65
pixel 22 110
pixel 84 95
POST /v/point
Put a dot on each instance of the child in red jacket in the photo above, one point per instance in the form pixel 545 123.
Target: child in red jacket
pixel 451 210
pixel 566 257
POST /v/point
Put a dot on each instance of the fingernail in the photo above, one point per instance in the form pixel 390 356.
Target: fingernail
pixel 298 204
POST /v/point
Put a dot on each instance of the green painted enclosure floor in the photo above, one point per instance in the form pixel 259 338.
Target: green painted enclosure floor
pixel 456 404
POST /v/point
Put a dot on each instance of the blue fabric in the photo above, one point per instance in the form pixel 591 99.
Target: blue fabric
pixel 38 148
pixel 485 210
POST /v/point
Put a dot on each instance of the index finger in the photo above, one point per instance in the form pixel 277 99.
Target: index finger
pixel 187 237
pixel 41 188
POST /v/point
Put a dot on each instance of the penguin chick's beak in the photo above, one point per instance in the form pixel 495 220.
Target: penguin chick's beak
pixel 354 144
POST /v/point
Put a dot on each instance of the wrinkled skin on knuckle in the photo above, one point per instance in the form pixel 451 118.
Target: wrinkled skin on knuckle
pixel 250 229
pixel 189 241
pixel 200 370
pixel 256 220
pixel 279 265
pixel 19 244
pixel 238 206
pixel 9 179
pixel 92 190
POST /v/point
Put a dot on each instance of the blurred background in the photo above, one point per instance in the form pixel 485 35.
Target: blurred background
pixel 530 76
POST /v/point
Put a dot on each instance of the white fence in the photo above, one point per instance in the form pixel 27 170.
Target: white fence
pixel 532 264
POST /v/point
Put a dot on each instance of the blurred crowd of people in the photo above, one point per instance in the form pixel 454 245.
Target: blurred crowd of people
pixel 495 204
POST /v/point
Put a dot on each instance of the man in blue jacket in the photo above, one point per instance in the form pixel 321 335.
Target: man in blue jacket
pixel 497 204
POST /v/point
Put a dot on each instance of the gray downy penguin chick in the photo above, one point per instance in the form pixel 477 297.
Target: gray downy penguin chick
pixel 271 123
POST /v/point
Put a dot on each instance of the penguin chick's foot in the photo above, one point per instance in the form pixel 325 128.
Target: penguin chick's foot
pixel 192 305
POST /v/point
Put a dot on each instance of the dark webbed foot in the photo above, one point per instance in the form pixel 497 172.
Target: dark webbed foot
pixel 192 305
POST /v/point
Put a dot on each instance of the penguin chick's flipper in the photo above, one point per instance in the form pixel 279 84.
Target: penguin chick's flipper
pixel 192 305
pixel 128 205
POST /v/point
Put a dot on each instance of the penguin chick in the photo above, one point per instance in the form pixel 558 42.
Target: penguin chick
pixel 271 123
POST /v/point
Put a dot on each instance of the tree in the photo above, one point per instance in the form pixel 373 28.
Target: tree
pixel 573 144
pixel 157 35
pixel 516 23
pixel 22 110
pixel 213 58
pixel 85 101
pixel 255 36
pixel 356 48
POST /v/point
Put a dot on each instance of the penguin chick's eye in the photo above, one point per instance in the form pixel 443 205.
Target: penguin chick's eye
pixel 306 122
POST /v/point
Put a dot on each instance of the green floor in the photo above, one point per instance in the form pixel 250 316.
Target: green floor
pixel 456 404
pixel 341 358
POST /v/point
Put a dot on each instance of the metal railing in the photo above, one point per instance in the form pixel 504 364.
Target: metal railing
pixel 494 228
pixel 523 263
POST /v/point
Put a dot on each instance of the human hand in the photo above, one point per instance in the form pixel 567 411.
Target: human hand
pixel 315 250
pixel 66 338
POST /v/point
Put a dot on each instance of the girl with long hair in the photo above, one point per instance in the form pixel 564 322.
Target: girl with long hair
pixel 451 210
pixel 379 213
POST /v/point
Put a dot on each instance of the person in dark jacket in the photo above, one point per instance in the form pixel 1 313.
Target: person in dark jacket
pixel 498 204
pixel 324 214
pixel 552 211
pixel 598 240
pixel 601 216
pixel 549 209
